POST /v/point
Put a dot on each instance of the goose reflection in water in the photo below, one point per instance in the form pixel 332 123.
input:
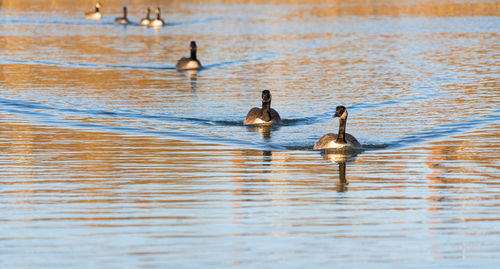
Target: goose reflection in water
pixel 193 77
pixel 192 73
pixel 267 157
pixel 341 158
pixel 265 130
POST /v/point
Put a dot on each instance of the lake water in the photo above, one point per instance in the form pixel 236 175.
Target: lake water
pixel 110 158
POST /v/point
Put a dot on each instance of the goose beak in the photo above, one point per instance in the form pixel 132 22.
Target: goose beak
pixel 336 115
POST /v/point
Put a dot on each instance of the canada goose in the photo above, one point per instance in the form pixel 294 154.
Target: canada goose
pixel 340 140
pixel 147 20
pixel 190 63
pixel 266 115
pixel 94 15
pixel 123 20
pixel 158 22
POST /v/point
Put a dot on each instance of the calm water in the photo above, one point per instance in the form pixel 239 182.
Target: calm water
pixel 112 159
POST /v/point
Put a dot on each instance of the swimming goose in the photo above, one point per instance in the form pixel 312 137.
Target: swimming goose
pixel 340 140
pixel 94 15
pixel 158 22
pixel 266 115
pixel 190 63
pixel 147 20
pixel 123 20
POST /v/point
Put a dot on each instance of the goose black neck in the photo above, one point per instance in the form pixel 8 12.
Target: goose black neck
pixel 158 15
pixel 96 9
pixel 266 111
pixel 124 12
pixel 193 53
pixel 341 135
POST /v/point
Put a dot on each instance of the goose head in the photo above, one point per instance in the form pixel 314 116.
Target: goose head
pixel 266 96
pixel 340 112
pixel 193 45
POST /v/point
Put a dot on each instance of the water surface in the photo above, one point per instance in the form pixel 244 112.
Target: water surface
pixel 112 159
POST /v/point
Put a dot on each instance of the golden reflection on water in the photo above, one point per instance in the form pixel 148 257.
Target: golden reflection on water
pixel 439 8
pixel 446 8
pixel 82 154
pixel 386 7
pixel 78 153
pixel 464 159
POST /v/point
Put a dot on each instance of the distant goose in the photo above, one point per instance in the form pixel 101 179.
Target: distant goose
pixel 158 22
pixel 146 21
pixel 340 140
pixel 264 115
pixel 94 15
pixel 190 63
pixel 123 20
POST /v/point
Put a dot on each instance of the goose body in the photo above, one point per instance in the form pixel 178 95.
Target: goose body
pixel 146 21
pixel 329 141
pixel 124 19
pixel 96 14
pixel 264 115
pixel 341 140
pixel 158 22
pixel 191 63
